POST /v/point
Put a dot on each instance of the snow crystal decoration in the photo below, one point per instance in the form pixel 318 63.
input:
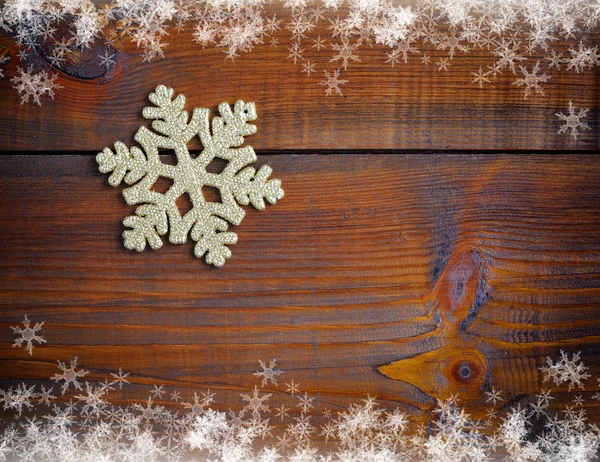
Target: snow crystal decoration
pixel 206 222
pixel 28 335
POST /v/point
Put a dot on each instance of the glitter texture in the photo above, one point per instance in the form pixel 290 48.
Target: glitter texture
pixel 206 222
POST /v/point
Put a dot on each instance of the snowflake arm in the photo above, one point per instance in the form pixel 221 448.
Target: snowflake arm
pixel 252 187
pixel 229 128
pixel 124 164
pixel 147 225
pixel 169 119
pixel 213 243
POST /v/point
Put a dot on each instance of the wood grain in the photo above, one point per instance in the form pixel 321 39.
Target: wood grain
pixel 408 106
pixel 368 260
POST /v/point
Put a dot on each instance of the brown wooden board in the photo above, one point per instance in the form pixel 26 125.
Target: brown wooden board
pixel 363 263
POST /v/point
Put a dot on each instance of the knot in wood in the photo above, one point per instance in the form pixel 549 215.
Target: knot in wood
pixel 456 290
pixel 81 62
pixel 465 371
pixel 443 373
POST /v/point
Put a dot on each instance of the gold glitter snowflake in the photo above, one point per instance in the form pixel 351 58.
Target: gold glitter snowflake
pixel 206 222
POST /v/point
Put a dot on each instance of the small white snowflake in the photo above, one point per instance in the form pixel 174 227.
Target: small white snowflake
pixel 295 53
pixel 573 121
pixel 28 334
pixel 308 67
pixel 151 412
pixel 19 398
pixel 404 47
pixel 582 58
pixel 328 431
pixel 333 82
pixel 256 403
pixel 443 64
pixel 69 375
pixel 292 387
pixel 282 412
pixel 305 403
pixel 107 59
pixel 157 391
pixel 197 407
pixel 46 396
pixel 480 77
pixel 120 378
pixel 34 86
pixel 200 402
pixel 92 400
pixel 532 80
pixel 345 52
pixel 493 396
pixel 268 373
pixel 318 43
pixel 544 398
pixel 567 370
pixel 555 60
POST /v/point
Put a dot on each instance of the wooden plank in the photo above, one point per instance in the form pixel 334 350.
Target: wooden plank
pixel 363 263
pixel 408 106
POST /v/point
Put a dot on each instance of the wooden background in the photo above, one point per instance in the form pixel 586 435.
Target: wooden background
pixel 426 223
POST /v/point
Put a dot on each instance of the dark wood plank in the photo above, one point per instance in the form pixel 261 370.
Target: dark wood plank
pixel 352 270
pixel 408 106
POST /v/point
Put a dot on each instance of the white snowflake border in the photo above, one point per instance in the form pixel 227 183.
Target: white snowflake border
pixel 206 222
pixel 557 32
pixel 90 427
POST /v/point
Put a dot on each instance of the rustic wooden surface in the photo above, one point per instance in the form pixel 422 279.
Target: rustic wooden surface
pixel 367 261
pixel 408 106
pixel 409 277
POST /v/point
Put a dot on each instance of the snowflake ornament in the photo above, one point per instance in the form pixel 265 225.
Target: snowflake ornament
pixel 28 334
pixel 207 222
